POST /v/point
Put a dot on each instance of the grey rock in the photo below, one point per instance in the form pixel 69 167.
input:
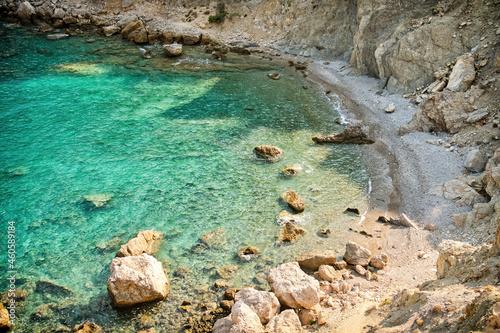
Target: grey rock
pixel 475 161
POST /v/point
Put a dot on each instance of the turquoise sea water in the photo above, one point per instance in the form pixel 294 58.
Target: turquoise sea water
pixel 171 141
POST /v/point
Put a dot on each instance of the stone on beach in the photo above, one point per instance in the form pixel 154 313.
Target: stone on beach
pixel 265 304
pixel 313 260
pixel 270 153
pixel 475 161
pixel 355 254
pixel 379 261
pixel 172 50
pixel 293 287
pixel 147 241
pixel 355 132
pixel 137 279
pixel 329 273
pixel 293 201
pixel 245 320
pixel 290 233
pixel 286 322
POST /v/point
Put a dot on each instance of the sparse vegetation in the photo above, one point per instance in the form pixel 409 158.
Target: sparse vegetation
pixel 221 13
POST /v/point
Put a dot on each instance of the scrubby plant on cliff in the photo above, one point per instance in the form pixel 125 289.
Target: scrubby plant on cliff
pixel 221 13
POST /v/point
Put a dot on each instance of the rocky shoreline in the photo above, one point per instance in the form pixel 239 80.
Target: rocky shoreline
pixel 416 166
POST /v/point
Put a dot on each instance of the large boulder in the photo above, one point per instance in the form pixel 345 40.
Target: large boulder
pixel 110 30
pixel 329 273
pixel 147 241
pixel 293 201
pixel 270 153
pixel 244 319
pixel 263 303
pixel 475 161
pixel 172 50
pixel 191 39
pixel 25 11
pixel 135 31
pixel 293 287
pixel 313 260
pixel 290 233
pixel 137 279
pixel 355 254
pixel 286 322
pixel 451 254
pixel 463 73
pixel 355 132
pixel 223 325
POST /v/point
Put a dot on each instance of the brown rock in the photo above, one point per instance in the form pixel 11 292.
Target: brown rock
pixel 25 11
pixel 291 170
pixel 355 254
pixel 431 227
pixel 147 241
pixel 263 303
pixel 215 239
pixel 293 200
pixel 328 273
pixel 286 322
pixel 379 261
pixel 248 253
pixel 285 217
pixel 167 37
pixel 87 328
pixel 290 233
pixel 228 271
pixel 313 260
pixel 172 50
pixel 355 132
pixel 131 27
pixel 110 30
pixel 227 304
pixel 360 270
pixel 463 73
pixel 191 39
pixel 270 153
pixel 340 265
pixel 4 318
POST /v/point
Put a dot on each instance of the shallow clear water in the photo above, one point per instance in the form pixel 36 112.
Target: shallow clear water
pixel 171 141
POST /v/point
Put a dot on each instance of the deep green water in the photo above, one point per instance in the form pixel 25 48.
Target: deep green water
pixel 171 141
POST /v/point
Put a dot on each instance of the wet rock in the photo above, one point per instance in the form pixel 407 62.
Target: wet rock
pixel 109 245
pixel 285 217
pixel 270 153
pixel 4 318
pixel 286 322
pixel 52 288
pixel 223 325
pixel 293 201
pixel 265 304
pixel 328 273
pixel 147 241
pixel 239 50
pixel 182 272
pixel 57 36
pixel 324 232
pixel 87 328
pixel 25 11
pixel 274 76
pixel 98 200
pixel 291 170
pixel 379 261
pixel 227 305
pixel 172 50
pixel 290 233
pixel 313 260
pixel 244 319
pixel 230 293
pixel 293 287
pixel 110 30
pixel 463 73
pixel 167 37
pixel 44 312
pixel 248 253
pixel 222 284
pixel 355 254
pixel 215 239
pixel 227 272
pixel 475 161
pixel 352 210
pixel 137 279
pixel 355 133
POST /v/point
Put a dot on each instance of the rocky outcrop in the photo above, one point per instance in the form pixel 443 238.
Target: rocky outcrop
pixel 284 217
pixel 263 303
pixel 293 287
pixel 270 153
pixel 137 279
pixel 458 189
pixel 355 254
pixel 355 133
pixel 25 11
pixel 293 201
pixel 135 31
pixel 147 241
pixel 463 74
pixel 313 260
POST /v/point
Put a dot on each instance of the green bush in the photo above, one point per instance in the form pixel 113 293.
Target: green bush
pixel 217 18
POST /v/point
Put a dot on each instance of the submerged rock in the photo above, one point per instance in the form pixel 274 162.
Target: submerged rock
pixel 293 287
pixel 52 288
pixel 137 279
pixel 270 153
pixel 57 36
pixel 293 200
pixel 290 233
pixel 147 241
pixel 214 239
pixel 248 253
pixel 355 132
pixel 172 50
pixel 98 200
pixel 227 272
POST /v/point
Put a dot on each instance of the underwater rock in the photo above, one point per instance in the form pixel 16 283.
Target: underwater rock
pixel 137 279
pixel 300 65
pixel 355 132
pixel 290 233
pixel 270 153
pixel 291 170
pixel 293 287
pixel 17 171
pixel 110 244
pixel 293 200
pixel 274 76
pixel 227 272
pixel 98 200
pixel 214 239
pixel 313 260
pixel 57 36
pixel 44 312
pixel 172 50
pixel 87 328
pixel 147 241
pixel 248 253
pixel 52 288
